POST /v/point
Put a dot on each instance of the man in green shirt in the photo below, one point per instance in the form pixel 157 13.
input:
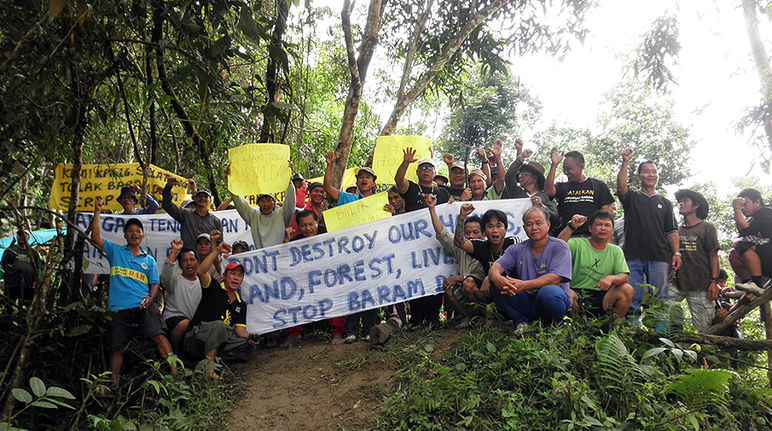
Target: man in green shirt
pixel 599 270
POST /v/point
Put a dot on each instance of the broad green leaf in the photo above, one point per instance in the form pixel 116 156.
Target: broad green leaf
pixel 38 387
pixel 653 352
pixel 44 404
pixel 666 341
pixel 78 330
pixel 490 347
pixel 21 395
pixel 55 391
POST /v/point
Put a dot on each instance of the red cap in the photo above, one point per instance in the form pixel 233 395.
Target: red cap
pixel 233 265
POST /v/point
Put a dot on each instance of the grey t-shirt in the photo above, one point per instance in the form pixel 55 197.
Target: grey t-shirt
pixel 696 244
pixel 182 295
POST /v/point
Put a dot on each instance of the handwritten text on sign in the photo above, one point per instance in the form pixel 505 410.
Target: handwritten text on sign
pixel 105 182
pixel 388 155
pixel 258 168
pixel 355 269
pixel 358 212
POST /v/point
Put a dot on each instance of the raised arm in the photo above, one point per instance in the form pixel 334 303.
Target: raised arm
pixel 739 218
pixel 408 157
pixel 496 150
pixel 288 207
pixel 448 159
pixel 96 234
pixel 332 192
pixel 173 210
pixel 431 202
pixel 622 174
pixel 576 221
pixel 485 166
pixel 549 183
pixel 458 237
pixel 510 178
pixel 203 267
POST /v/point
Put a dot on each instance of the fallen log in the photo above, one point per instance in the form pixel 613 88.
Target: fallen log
pixel 737 343
pixel 741 310
pixel 750 289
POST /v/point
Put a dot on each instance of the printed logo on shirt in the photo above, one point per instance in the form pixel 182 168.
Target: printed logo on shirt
pixel 143 265
pixel 129 273
pixel 227 318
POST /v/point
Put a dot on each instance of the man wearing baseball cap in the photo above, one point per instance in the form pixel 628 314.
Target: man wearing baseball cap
pixel 414 193
pixel 219 326
pixel 269 220
pixel 365 185
pixel 128 199
pixel 192 222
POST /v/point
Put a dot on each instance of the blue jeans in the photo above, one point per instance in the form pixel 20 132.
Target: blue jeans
pixel 646 272
pixel 549 304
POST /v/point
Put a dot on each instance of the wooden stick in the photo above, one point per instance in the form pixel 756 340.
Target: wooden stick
pixel 749 288
pixel 739 312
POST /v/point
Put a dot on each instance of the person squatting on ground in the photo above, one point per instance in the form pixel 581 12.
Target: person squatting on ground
pixel 133 291
pixel 697 279
pixel 494 224
pixel 651 236
pixel 470 270
pixel 530 280
pixel 219 325
pixel 599 270
pixel 751 254
pixel 183 291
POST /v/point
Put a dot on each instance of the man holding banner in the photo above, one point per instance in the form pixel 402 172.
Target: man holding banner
pixel 269 221
pixel 192 222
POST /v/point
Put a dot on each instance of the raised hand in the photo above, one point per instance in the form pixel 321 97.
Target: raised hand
pixel 448 159
pixel 172 181
pixel 389 208
pixel 330 158
pixel 99 205
pixel 291 165
pixel 481 153
pixel 526 154
pixel 215 235
pixel 466 195
pixel 192 185
pixel 135 188
pixel 496 149
pixel 536 201
pixel 578 220
pixel 466 209
pixel 519 146
pixel 430 200
pixel 224 248
pixel 555 156
pixel 176 245
pixel 409 155
pixel 627 155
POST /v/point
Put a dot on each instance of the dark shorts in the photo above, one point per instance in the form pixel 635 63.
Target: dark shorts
pixel 207 336
pixel 147 322
pixel 173 321
pixel 764 252
pixel 591 301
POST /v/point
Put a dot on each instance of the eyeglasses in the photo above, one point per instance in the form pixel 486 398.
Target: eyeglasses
pixel 426 168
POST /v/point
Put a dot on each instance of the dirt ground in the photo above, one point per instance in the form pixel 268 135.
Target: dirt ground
pixel 317 386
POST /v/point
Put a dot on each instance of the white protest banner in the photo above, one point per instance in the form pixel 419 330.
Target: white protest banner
pixel 159 229
pixel 363 267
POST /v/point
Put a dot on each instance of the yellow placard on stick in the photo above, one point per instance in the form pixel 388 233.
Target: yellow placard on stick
pixel 259 168
pixel 388 155
pixel 105 182
pixel 358 212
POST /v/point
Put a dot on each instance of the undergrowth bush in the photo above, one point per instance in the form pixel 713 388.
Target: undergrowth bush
pixel 573 376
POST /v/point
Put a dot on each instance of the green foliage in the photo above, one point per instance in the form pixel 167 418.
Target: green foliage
pixel 573 376
pixel 665 318
pixel 659 44
pixel 493 106
pixel 43 397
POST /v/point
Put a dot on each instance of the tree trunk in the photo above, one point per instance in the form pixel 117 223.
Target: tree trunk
pixel 761 58
pixel 358 71
pixel 187 125
pixel 272 73
pixel 766 316
pixel 405 99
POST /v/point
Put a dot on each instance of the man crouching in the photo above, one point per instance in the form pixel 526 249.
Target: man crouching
pixel 219 326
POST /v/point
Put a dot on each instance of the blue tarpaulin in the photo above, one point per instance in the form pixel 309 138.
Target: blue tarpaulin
pixel 36 238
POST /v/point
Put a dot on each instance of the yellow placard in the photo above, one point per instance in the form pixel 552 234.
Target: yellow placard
pixel 259 168
pixel 388 155
pixel 278 197
pixel 349 178
pixel 358 212
pixel 105 182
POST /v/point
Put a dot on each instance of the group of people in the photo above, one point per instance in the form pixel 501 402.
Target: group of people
pixel 577 255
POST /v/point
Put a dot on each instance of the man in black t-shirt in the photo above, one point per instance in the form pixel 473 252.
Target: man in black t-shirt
pixel 219 326
pixel 751 257
pixel 414 193
pixel 580 195
pixel 651 236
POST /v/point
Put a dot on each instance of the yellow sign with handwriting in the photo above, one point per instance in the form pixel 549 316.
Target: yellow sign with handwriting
pixel 358 212
pixel 259 168
pixel 389 153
